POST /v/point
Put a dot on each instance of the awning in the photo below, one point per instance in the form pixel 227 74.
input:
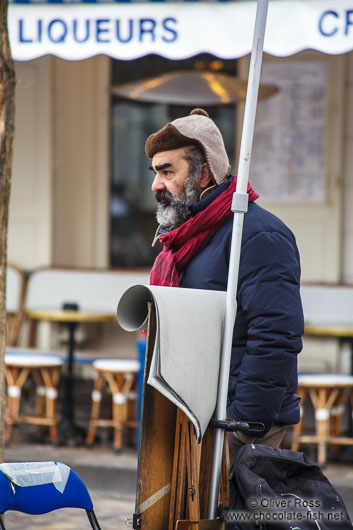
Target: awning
pixel 177 30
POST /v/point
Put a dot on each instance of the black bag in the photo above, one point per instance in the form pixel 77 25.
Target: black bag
pixel 282 490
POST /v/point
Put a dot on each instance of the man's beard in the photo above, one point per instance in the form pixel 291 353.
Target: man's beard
pixel 174 211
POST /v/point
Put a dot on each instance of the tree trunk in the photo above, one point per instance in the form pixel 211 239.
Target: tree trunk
pixel 7 120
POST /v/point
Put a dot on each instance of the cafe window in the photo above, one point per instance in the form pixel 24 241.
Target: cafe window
pixel 132 203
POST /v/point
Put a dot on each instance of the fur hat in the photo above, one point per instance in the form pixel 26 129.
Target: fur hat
pixel 199 129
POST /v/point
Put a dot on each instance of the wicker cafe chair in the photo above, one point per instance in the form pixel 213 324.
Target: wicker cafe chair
pixel 37 488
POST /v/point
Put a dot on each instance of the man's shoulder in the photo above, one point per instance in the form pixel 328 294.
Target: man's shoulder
pixel 258 220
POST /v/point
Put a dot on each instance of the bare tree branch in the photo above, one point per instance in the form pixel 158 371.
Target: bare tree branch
pixel 7 124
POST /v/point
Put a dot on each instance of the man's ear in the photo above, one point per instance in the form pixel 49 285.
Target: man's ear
pixel 205 178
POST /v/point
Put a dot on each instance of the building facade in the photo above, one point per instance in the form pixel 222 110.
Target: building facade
pixel 63 167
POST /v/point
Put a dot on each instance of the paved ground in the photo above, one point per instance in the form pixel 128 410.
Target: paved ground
pixel 111 480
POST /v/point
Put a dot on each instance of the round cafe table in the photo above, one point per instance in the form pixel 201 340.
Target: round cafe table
pixel 324 330
pixel 70 318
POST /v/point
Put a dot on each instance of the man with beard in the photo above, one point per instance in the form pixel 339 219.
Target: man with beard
pixel 194 190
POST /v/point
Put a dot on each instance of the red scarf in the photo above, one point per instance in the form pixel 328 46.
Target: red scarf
pixel 182 244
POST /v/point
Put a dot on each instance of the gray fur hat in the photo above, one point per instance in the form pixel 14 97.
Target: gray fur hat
pixel 199 129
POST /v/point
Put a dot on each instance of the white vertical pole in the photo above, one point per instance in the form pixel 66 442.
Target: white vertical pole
pixel 239 207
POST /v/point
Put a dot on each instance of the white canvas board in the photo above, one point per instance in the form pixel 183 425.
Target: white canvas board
pixel 186 357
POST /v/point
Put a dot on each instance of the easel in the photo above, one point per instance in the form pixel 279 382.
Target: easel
pixel 190 482
pixel 173 470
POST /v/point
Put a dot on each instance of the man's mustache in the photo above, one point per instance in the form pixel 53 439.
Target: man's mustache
pixel 164 197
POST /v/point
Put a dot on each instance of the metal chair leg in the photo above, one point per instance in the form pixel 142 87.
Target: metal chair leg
pixel 92 519
pixel 2 527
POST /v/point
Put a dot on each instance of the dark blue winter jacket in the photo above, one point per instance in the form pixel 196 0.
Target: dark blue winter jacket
pixel 269 321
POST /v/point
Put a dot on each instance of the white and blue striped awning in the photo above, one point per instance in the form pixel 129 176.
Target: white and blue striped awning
pixel 176 30
pixel 108 1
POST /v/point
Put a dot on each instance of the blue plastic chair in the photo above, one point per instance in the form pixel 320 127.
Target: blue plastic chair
pixel 41 495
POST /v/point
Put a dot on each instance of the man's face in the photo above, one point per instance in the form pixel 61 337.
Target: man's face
pixel 170 171
pixel 174 186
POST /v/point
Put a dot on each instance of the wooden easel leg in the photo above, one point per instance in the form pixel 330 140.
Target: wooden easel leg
pixel 224 483
pixel 205 466
pixel 177 495
pixel 193 453
pixel 190 480
pixel 156 449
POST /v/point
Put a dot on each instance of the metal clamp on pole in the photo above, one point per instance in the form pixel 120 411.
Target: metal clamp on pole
pixel 233 425
pixel 240 202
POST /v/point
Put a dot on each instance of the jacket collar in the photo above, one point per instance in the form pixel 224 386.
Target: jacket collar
pixel 201 205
